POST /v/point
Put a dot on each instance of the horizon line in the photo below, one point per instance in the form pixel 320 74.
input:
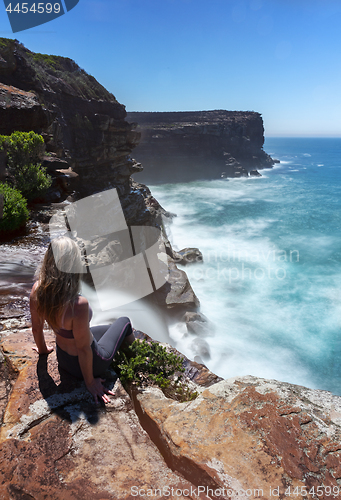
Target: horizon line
pixel 285 136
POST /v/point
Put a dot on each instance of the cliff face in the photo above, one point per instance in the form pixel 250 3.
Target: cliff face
pixel 87 139
pixel 82 123
pixel 185 146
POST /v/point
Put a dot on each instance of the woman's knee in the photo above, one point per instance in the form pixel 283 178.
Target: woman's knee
pixel 126 325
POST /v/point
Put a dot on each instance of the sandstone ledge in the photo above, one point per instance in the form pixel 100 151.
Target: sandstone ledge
pixel 242 434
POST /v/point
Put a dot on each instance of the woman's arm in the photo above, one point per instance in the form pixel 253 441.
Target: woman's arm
pixel 83 339
pixel 38 326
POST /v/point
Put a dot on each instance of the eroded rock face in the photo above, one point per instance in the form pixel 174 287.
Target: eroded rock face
pixel 252 435
pixel 79 119
pixel 20 110
pixel 177 293
pixel 186 146
pixel 86 135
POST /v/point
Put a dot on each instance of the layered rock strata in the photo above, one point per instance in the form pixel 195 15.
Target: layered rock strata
pixel 186 146
pixel 252 438
pixel 81 122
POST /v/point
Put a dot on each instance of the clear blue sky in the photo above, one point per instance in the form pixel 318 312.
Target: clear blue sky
pixel 281 58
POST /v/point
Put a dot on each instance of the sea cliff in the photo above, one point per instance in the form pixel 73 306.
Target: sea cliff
pixel 88 141
pixel 187 146
pixel 241 438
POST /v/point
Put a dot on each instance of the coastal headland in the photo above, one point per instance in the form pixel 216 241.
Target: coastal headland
pixel 241 438
pixel 196 145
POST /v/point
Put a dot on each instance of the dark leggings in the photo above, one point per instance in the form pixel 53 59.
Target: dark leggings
pixel 107 341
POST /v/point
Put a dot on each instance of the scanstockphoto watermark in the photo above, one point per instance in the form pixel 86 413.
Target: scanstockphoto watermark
pixel 26 15
pixel 193 491
pixel 271 492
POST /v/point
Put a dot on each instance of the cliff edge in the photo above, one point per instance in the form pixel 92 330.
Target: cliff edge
pixel 241 438
pixel 88 144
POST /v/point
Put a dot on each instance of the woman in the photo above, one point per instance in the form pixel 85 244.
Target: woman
pixel 82 351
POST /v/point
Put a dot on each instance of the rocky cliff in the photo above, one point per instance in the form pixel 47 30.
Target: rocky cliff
pixel 87 138
pixel 242 438
pixel 88 142
pixel 186 146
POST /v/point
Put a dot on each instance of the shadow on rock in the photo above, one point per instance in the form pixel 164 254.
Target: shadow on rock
pixel 69 399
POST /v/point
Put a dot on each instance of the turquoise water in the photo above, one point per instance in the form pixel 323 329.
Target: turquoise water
pixel 271 276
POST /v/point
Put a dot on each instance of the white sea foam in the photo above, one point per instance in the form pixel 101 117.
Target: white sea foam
pixel 285 325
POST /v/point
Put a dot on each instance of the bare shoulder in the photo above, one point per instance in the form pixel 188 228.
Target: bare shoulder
pixel 33 291
pixel 81 306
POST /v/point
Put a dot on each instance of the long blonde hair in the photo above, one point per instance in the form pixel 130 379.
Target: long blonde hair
pixel 58 280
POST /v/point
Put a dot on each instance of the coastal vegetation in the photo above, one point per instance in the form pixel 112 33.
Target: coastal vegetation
pixel 15 211
pixel 148 363
pixel 26 178
pixel 6 42
pixel 48 68
pixel 24 152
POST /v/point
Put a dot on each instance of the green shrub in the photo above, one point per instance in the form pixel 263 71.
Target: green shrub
pixel 24 153
pixel 32 181
pixel 144 363
pixel 15 212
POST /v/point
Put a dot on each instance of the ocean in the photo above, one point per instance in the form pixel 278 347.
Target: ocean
pixel 271 277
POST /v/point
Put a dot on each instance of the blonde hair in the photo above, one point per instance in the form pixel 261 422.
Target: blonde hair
pixel 58 280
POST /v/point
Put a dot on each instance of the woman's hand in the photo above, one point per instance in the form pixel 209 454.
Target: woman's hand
pixel 97 390
pixel 46 350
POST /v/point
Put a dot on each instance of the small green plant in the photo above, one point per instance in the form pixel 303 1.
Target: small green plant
pixel 15 212
pixel 24 154
pixel 144 363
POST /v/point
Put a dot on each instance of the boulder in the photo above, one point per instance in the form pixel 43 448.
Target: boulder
pixel 188 256
pixel 177 291
pixel 255 173
pixel 198 324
